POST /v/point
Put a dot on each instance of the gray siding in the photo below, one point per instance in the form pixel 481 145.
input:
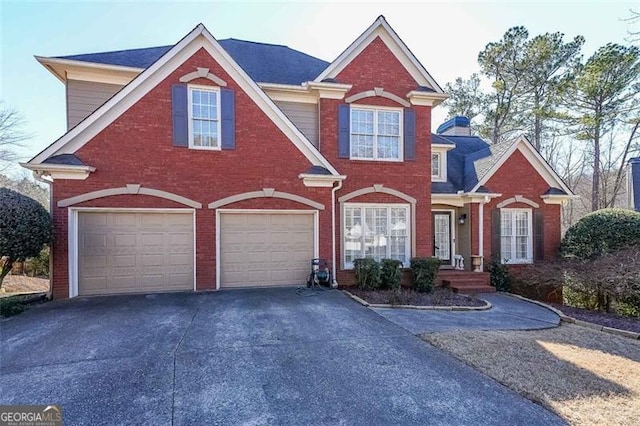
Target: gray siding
pixel 84 97
pixel 304 116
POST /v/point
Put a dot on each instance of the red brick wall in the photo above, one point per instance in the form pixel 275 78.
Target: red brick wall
pixel 518 177
pixel 376 66
pixel 137 149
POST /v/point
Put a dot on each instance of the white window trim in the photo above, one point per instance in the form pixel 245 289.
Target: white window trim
pixel 190 89
pixel 408 244
pixel 442 176
pixel 529 259
pixel 375 109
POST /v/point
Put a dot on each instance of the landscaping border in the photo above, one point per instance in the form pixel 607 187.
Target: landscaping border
pixel 570 320
pixel 419 307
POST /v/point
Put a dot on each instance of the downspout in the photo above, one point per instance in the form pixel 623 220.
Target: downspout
pixel 481 234
pixel 335 189
pixel 37 176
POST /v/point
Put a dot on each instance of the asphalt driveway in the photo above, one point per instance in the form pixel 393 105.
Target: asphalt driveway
pixel 241 357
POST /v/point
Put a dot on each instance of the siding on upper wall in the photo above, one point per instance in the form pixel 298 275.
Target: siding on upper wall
pixel 304 116
pixel 84 97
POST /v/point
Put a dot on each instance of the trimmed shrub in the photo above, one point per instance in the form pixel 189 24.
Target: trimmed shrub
pixel 391 274
pixel 367 273
pixel 499 275
pixel 424 271
pixel 25 227
pixel 600 232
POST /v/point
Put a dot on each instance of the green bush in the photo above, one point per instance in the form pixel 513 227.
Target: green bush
pixel 579 297
pixel 499 275
pixel 367 273
pixel 424 271
pixel 629 306
pixel 391 274
pixel 25 227
pixel 38 266
pixel 10 306
pixel 600 232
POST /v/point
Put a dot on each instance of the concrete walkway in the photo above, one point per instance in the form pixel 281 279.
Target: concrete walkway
pixel 507 313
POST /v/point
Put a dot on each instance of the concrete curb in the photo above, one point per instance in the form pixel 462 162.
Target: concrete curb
pixel 420 308
pixel 570 320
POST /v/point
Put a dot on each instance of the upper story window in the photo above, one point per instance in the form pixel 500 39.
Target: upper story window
pixel 516 240
pixel 376 133
pixel 204 117
pixel 438 166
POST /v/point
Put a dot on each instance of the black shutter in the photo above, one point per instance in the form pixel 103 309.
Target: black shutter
pixel 409 134
pixel 344 131
pixel 228 119
pixel 538 235
pixel 179 104
pixel 495 235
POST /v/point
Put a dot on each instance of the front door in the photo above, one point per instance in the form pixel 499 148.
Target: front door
pixel 442 236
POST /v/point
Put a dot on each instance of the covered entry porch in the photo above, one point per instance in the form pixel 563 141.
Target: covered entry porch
pixel 458 231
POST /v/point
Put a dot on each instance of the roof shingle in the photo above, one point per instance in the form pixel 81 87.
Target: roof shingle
pixel 265 63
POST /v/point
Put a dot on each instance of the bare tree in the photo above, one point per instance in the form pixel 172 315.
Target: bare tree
pixel 634 34
pixel 12 135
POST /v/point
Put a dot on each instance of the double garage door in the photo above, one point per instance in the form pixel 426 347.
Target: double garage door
pixel 145 252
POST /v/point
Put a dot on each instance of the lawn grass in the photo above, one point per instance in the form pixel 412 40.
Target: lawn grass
pixel 585 376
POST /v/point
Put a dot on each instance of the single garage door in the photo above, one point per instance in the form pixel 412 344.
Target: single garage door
pixel 265 249
pixel 134 252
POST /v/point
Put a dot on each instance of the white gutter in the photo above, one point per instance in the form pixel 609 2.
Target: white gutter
pixel 335 189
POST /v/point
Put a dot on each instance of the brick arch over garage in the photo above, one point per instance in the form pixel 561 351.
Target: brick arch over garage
pixel 265 193
pixel 130 189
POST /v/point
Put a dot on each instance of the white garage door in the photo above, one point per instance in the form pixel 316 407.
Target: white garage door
pixel 134 252
pixel 265 249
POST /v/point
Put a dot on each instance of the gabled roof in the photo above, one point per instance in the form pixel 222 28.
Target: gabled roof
pixel 473 161
pixel 504 151
pixel 198 38
pixel 265 63
pixel 380 28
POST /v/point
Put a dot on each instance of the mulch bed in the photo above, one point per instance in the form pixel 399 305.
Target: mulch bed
pixel 438 297
pixel 601 318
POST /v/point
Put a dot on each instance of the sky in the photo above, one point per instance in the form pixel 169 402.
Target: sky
pixel 445 36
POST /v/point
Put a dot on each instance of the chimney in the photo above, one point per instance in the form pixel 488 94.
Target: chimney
pixel 456 126
pixel 633 184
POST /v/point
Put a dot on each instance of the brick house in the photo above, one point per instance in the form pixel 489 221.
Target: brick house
pixel 221 164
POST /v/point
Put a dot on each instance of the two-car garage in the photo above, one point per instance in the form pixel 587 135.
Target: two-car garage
pixel 146 251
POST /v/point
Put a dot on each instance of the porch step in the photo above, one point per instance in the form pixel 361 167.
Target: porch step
pixel 466 282
pixel 482 278
pixel 472 289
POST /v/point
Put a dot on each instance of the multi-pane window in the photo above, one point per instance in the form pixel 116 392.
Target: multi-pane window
pixel 204 118
pixel 436 165
pixel 375 134
pixel 515 236
pixel 377 231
